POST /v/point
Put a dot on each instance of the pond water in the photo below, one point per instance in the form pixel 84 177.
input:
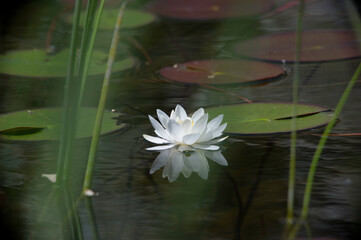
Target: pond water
pixel 246 199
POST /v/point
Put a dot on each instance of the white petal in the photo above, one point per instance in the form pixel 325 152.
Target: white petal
pixel 175 130
pixel 156 125
pixel 219 130
pixel 200 125
pixel 163 117
pixel 160 161
pixel 217 140
pixel 217 157
pixel 155 139
pixel 159 130
pixel 180 112
pixel 160 147
pixel 197 114
pixel 191 138
pixel 205 137
pixel 172 115
pixel 183 148
pixel 206 147
pixel 186 126
pixel 214 123
pixel 164 134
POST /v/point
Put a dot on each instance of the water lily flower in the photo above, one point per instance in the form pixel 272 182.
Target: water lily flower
pixel 176 162
pixel 186 132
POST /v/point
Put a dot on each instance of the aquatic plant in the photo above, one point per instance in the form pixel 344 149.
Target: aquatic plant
pixel 103 96
pixel 186 132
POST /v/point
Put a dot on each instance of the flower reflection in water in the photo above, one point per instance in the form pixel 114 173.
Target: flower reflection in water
pixel 175 162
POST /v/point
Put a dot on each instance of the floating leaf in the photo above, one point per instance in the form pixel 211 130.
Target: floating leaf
pixel 316 46
pixel 45 124
pixel 21 131
pixel 211 9
pixel 270 118
pixel 222 72
pixel 131 19
pixel 36 63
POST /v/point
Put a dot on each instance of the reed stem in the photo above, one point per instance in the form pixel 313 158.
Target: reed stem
pixel 321 144
pixel 355 19
pixel 88 48
pixel 68 93
pixel 84 62
pixel 296 76
pixel 102 101
pixel 93 224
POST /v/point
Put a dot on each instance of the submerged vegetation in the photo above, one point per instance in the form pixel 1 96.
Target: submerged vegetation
pixel 237 71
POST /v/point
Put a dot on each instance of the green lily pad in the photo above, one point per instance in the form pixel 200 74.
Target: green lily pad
pixel 45 124
pixel 36 63
pixel 223 72
pixel 270 118
pixel 131 19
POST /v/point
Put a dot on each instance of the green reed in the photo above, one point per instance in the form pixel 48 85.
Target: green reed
pixel 296 77
pixel 62 155
pixel 87 47
pixel 78 65
pixel 355 19
pixel 321 144
pixel 102 101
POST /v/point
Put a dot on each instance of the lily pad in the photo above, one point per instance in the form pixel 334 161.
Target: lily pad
pixel 45 124
pixel 317 46
pixel 270 118
pixel 36 63
pixel 211 9
pixel 222 72
pixel 131 18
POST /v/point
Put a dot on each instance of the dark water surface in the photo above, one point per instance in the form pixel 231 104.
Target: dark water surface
pixel 246 200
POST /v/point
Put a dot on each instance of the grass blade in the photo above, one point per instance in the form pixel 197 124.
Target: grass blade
pixel 102 101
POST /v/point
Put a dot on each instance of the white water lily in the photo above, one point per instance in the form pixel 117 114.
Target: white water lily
pixel 186 132
pixel 176 162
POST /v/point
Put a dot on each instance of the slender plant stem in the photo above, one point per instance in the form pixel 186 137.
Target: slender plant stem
pixel 72 113
pixel 321 144
pixel 355 19
pixel 296 76
pixel 83 71
pixel 88 25
pixel 75 215
pixel 69 214
pixel 102 101
pixel 88 53
pixel 93 224
pixel 63 155
pixel 67 91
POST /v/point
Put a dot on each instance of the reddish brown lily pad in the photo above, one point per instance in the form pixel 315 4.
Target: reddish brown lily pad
pixel 222 72
pixel 210 9
pixel 317 46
